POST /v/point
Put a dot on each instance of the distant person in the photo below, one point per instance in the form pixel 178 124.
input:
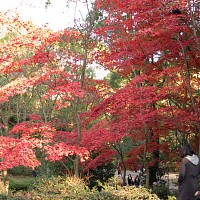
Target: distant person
pixel 188 174
pixel 197 194
pixel 142 170
pixel 137 181
pixel 154 184
pixel 34 173
pixel 130 180
pixel 119 170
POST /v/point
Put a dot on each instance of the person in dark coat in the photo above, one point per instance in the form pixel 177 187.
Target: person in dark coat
pixel 188 174
pixel 130 180
pixel 34 173
pixel 137 181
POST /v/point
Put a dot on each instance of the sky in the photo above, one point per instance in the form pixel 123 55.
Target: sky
pixel 58 15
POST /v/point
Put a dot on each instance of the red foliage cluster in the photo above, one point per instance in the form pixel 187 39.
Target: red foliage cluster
pixel 154 45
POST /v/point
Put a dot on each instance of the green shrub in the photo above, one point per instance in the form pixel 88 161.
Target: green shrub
pixel 20 171
pixel 45 188
pixel 161 190
pixel 3 197
pixel 20 183
pixel 172 198
pixel 101 174
pixel 12 198
pixel 173 194
pixel 128 193
pixel 74 188
pixel 54 187
pixel 18 198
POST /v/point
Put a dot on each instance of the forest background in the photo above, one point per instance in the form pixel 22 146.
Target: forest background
pixel 54 109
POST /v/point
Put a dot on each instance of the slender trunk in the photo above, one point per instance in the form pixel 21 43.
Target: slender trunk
pixel 195 27
pixel 145 157
pixel 85 37
pixel 153 169
pixel 189 88
pixel 145 143
pixel 124 171
pixel 4 183
pixel 79 137
pixel 124 177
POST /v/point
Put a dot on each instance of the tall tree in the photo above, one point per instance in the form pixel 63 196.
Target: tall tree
pixel 157 42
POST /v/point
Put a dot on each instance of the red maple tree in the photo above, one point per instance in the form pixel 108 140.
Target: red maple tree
pixel 153 45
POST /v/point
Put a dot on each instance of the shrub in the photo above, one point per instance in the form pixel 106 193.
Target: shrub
pixel 20 183
pixel 101 174
pixel 127 193
pixel 161 190
pixel 172 198
pixel 44 188
pixel 2 197
pixel 57 187
pixel 74 188
pixel 20 171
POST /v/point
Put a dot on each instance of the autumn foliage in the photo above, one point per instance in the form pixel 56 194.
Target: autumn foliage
pixel 153 45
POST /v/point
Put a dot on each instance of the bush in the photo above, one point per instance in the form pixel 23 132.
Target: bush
pixel 161 190
pixel 13 198
pixel 44 188
pixel 101 174
pixel 20 183
pixel 2 197
pixel 60 188
pixel 20 171
pixel 74 188
pixel 172 198
pixel 128 193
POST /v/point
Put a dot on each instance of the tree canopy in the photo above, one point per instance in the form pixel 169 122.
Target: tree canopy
pixel 141 113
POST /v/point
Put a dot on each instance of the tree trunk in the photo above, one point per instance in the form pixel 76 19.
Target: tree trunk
pixel 86 37
pixel 79 137
pixel 190 92
pixel 4 183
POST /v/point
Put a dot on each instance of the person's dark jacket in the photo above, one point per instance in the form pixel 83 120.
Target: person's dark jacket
pixel 130 180
pixel 137 182
pixel 187 180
